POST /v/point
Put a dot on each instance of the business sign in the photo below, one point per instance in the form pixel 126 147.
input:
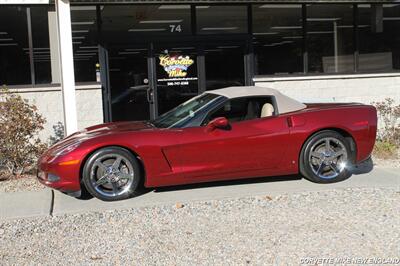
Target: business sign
pixel 177 69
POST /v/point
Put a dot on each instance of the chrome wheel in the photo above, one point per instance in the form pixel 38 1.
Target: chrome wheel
pixel 112 175
pixel 328 158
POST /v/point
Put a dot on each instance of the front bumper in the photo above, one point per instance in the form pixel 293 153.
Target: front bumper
pixel 64 186
pixel 58 174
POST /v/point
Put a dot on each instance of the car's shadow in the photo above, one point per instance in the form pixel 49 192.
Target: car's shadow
pixel 143 190
pixel 363 168
pixel 246 181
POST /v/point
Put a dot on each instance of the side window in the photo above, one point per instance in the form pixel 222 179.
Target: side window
pixel 233 110
pixel 240 109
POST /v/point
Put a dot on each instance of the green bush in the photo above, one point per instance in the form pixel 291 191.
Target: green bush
pixel 385 150
pixel 20 124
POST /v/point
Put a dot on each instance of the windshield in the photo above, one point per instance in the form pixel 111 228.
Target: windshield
pixel 184 111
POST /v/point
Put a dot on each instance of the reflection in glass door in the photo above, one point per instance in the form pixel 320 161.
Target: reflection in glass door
pixel 224 65
pixel 129 83
pixel 176 71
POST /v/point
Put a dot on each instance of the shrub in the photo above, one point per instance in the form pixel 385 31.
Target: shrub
pixel 20 124
pixel 388 136
pixel 385 150
pixel 59 133
pixel 389 118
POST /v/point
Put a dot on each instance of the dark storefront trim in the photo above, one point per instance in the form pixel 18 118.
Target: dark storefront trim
pixel 222 1
pixel 201 40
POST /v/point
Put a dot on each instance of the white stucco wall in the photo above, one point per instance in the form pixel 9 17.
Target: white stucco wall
pixel 48 100
pixel 364 88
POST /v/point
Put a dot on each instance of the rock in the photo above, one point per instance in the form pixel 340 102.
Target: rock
pixel 179 205
pixel 96 258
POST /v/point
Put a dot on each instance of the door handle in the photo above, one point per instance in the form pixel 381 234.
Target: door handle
pixel 290 121
pixel 296 121
pixel 150 95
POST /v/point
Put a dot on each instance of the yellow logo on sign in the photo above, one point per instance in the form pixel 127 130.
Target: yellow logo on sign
pixel 176 66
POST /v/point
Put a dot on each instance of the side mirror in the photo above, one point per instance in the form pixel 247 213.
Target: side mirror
pixel 219 122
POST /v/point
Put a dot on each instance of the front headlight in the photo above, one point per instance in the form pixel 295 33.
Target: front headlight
pixel 66 149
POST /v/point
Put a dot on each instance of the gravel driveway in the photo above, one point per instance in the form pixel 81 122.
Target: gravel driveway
pixel 258 231
pixel 28 183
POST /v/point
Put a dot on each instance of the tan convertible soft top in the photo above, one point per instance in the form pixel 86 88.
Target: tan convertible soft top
pixel 285 104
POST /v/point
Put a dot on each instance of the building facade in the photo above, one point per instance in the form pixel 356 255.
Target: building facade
pixel 133 60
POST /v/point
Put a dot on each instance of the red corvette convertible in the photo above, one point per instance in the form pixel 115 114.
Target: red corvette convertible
pixel 231 133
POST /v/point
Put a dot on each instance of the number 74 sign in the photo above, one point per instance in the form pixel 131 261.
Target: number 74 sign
pixel 175 28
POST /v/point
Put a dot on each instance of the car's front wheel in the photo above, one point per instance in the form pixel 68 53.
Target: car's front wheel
pixel 326 158
pixel 111 173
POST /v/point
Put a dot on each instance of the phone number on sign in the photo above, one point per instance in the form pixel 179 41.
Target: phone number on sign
pixel 177 83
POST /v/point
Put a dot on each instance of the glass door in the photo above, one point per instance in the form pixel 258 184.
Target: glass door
pixel 147 81
pixel 132 67
pixel 131 95
pixel 176 75
pixel 224 65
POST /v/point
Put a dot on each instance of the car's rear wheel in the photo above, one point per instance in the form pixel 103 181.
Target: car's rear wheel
pixel 111 174
pixel 326 158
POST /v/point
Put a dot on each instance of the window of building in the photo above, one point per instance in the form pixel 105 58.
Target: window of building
pixel 278 39
pixel 330 31
pixel 379 37
pixel 123 24
pixel 224 65
pixel 221 19
pixel 85 42
pixel 14 47
pixel 41 46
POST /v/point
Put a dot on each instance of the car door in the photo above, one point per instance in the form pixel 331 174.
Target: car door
pixel 245 148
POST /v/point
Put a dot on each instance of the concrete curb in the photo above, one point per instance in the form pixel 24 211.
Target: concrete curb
pixel 26 204
pixel 48 202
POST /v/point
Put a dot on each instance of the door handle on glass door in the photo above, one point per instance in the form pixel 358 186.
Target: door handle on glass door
pixel 150 95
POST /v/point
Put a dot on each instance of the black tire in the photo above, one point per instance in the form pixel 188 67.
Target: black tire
pixel 106 180
pixel 332 170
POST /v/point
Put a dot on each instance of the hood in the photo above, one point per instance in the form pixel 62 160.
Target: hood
pixel 118 127
pixel 110 128
pixel 101 130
